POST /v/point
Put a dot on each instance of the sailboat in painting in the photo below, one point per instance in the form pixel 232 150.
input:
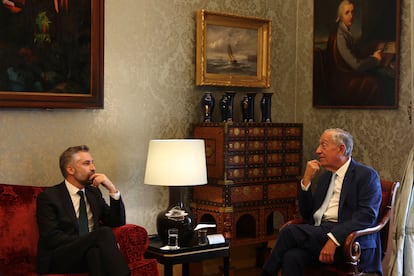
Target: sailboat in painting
pixel 232 63
pixel 232 59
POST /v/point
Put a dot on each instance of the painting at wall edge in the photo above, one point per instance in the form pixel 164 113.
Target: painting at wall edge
pixel 346 73
pixel 52 54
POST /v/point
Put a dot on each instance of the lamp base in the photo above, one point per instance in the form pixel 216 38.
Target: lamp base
pixel 176 217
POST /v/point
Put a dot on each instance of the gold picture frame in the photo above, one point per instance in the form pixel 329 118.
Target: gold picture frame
pixel 232 50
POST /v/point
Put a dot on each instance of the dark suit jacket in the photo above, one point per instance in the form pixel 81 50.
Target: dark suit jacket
pixel 359 204
pixel 57 220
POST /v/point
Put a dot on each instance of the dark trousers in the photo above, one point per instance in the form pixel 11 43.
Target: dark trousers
pixel 297 246
pixel 96 252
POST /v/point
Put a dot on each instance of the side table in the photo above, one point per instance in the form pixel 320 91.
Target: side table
pixel 186 255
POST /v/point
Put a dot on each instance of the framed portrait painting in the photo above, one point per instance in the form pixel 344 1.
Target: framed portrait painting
pixel 232 50
pixel 51 54
pixel 356 53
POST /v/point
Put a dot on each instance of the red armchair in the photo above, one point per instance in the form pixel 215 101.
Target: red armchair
pixel 19 235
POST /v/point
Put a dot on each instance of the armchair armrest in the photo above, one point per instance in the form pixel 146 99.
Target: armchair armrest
pixel 133 242
pixel 352 248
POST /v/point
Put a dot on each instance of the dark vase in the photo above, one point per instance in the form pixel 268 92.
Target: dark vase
pixel 250 114
pixel 226 107
pixel 247 106
pixel 244 106
pixel 207 106
pixel 266 107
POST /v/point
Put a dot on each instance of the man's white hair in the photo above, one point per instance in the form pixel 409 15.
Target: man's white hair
pixel 341 7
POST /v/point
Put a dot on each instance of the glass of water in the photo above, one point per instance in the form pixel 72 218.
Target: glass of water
pixel 202 237
pixel 173 238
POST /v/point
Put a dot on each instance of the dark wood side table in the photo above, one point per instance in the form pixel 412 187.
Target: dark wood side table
pixel 186 255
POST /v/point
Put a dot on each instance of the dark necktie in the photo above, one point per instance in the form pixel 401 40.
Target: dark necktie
pixel 83 216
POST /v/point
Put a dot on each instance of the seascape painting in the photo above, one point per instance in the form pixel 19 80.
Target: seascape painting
pixel 231 50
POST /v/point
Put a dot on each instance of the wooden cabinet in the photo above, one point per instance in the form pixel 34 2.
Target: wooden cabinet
pixel 253 171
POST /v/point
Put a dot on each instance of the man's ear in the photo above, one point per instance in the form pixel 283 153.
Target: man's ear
pixel 70 170
pixel 342 148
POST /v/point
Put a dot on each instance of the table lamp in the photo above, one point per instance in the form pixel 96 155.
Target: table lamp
pixel 176 163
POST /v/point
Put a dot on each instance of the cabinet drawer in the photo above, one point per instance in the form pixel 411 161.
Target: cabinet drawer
pixel 292 170
pixel 273 158
pixel 236 160
pixel 274 145
pixel 246 193
pixel 274 171
pixel 256 145
pixel 275 132
pixel 255 131
pixel 292 157
pixel 293 131
pixel 209 193
pixel 293 144
pixel 256 159
pixel 236 146
pixel 236 131
pixel 282 190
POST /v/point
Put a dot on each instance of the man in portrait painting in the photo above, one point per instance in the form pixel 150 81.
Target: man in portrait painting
pixel 351 71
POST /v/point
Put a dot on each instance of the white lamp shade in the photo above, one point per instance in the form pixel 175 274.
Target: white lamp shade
pixel 176 162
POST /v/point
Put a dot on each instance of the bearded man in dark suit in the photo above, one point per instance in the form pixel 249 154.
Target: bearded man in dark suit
pixel 75 228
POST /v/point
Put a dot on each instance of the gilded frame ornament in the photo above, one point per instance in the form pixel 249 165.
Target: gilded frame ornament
pixel 65 41
pixel 232 50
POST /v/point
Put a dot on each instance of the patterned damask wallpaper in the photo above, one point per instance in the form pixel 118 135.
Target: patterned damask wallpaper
pixel 150 94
